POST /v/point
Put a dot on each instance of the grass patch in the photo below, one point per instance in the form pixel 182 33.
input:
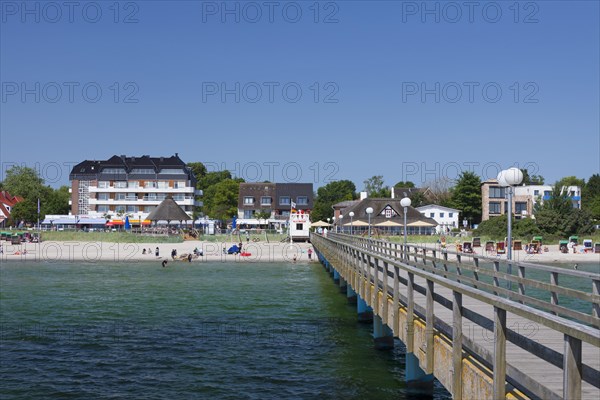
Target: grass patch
pixel 109 237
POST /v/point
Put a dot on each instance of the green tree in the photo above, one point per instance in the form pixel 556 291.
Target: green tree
pixel 570 181
pixel 418 198
pixel 212 178
pixel 262 215
pixel 590 196
pixel 531 179
pixel 374 187
pixel 466 196
pixel 559 201
pixel 56 201
pixel 404 184
pixel 24 182
pixel 330 194
pixel 25 210
pixel 198 169
pixel 221 199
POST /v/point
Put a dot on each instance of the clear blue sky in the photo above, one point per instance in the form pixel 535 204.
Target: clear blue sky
pixel 370 62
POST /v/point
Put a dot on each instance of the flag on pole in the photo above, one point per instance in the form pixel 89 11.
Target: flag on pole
pixel 293 205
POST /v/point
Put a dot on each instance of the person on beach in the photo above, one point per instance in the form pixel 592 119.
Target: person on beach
pixel 173 254
pixel 239 247
pixel 189 257
pixel 247 237
pixel 294 259
pixel 144 250
pixel 157 252
pixel 310 253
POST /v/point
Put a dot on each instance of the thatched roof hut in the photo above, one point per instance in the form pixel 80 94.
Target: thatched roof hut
pixel 168 211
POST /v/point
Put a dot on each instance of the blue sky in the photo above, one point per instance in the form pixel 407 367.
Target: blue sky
pixel 304 92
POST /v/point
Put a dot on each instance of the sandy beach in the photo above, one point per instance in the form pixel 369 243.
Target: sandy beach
pixel 51 251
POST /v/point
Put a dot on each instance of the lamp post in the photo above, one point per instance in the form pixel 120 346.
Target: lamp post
pixel 351 214
pixel 405 203
pixel 333 223
pixel 507 179
pixel 340 223
pixel 369 211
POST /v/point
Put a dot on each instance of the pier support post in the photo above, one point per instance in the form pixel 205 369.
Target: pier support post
pixel 343 285
pixel 382 334
pixel 417 380
pixel 365 313
pixel 350 295
pixel 336 276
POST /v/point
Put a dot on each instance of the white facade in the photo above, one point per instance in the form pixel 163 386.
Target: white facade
pixel 299 226
pixel 539 193
pixel 447 218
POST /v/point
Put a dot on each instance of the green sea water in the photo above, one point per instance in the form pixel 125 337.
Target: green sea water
pixel 211 330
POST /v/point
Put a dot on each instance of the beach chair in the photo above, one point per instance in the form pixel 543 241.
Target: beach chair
pixel 587 246
pixel 563 246
pixel 500 248
pixel 490 247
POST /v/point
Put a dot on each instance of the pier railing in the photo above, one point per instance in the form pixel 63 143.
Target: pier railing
pixel 486 280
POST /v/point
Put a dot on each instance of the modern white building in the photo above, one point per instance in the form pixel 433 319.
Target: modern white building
pixel 132 186
pixel 447 218
pixel 539 193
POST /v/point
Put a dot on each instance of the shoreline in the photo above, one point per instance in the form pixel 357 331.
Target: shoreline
pixel 53 251
pixel 93 252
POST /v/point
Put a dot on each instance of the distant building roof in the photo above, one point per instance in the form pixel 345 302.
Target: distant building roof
pixel 168 210
pixel 429 206
pixel 123 168
pixel 380 205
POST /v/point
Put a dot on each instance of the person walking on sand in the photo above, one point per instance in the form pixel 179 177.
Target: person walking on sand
pixel 247 237
pixel 310 254
pixel 157 252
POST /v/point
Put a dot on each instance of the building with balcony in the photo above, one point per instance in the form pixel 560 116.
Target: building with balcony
pixel 132 186
pixel 494 198
pixel 273 198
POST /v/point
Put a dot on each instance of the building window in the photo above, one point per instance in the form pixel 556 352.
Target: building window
pixel 388 213
pixel 285 201
pixel 113 171
pixel 103 184
pixel 248 214
pixel 179 184
pixel 150 184
pixel 103 196
pixel 121 184
pixel 120 196
pixel 450 215
pixel 142 171
pixel 120 209
pixel 299 227
pixel 536 192
pixel 302 200
pixel 285 213
pixel 265 201
pixel 494 207
pixel 132 209
pixel 172 171
pixel 149 209
pixel 162 185
pixel 431 215
pixel 134 184
pixel 547 192
pixel 102 209
pixel 520 206
pixel 496 192
pixel 179 197
pixel 248 201
pixel 441 215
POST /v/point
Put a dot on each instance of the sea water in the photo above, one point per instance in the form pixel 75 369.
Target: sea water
pixel 191 330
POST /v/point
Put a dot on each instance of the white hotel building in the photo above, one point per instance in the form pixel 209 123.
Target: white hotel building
pixel 131 186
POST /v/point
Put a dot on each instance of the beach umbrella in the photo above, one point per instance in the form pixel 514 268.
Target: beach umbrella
pixel 319 224
pixel 127 224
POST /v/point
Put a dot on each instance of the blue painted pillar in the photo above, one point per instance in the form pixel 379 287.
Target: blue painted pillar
pixel 417 380
pixel 350 294
pixel 382 334
pixel 343 285
pixel 365 313
pixel 336 276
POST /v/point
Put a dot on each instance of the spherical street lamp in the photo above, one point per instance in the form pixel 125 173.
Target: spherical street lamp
pixel 369 211
pixel 351 214
pixel 405 203
pixel 333 223
pixel 509 178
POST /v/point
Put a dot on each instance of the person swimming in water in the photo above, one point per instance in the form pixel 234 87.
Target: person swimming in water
pixel 164 263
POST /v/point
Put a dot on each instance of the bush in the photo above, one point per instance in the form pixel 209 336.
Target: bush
pixel 496 228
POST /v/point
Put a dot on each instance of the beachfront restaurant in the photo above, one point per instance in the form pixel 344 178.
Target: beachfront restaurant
pixel 68 222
